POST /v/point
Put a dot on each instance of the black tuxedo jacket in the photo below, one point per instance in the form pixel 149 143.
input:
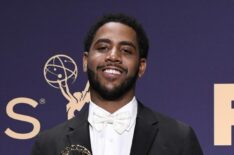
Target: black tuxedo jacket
pixel 155 134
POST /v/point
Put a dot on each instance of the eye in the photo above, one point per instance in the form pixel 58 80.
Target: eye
pixel 127 50
pixel 102 47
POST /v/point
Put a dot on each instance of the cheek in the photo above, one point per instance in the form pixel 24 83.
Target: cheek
pixel 95 58
pixel 90 64
pixel 133 68
pixel 94 61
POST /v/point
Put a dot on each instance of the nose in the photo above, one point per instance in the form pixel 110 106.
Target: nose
pixel 114 55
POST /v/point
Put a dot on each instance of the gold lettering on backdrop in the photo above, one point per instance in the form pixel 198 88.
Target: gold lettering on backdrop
pixel 223 113
pixel 61 70
pixel 10 112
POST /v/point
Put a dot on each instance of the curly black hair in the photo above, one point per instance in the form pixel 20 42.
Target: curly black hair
pixel 142 39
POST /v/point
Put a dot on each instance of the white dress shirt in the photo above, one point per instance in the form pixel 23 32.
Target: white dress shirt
pixel 107 141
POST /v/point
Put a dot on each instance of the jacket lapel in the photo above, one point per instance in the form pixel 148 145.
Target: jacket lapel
pixel 145 132
pixel 79 129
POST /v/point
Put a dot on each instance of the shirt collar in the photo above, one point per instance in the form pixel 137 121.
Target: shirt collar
pixel 130 107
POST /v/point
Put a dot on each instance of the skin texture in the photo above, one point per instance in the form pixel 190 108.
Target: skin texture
pixel 114 48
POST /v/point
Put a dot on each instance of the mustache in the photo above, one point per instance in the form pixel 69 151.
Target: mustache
pixel 121 68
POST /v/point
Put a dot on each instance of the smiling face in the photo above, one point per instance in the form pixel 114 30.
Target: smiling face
pixel 113 62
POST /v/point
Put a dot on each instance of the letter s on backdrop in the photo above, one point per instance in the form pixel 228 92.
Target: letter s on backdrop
pixel 10 112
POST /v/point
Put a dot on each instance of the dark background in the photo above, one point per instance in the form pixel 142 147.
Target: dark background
pixel 191 48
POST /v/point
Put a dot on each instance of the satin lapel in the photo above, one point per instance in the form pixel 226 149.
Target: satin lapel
pixel 145 132
pixel 79 130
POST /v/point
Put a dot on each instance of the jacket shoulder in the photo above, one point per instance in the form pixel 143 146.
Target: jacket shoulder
pixel 175 136
pixel 165 123
pixel 171 125
pixel 51 140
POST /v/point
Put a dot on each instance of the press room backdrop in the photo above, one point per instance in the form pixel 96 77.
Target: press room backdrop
pixel 191 49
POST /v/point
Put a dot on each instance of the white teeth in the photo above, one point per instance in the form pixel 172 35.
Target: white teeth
pixel 112 71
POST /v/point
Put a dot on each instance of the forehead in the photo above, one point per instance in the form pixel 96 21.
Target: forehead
pixel 116 32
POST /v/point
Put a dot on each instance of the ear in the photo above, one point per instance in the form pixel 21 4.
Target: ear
pixel 142 67
pixel 85 61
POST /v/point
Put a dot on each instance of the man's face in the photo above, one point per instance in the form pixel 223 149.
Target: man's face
pixel 113 62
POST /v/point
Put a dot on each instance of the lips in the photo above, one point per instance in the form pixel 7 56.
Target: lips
pixel 112 72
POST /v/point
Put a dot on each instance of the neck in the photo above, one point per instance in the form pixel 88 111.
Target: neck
pixel 112 105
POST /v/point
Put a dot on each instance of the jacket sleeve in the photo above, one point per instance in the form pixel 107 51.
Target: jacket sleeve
pixel 36 149
pixel 191 144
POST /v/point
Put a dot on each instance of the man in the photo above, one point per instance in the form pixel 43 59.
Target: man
pixel 115 122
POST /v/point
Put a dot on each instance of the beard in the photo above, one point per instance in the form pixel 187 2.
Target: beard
pixel 115 93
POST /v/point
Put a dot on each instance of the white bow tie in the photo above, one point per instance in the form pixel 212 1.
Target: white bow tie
pixel 119 121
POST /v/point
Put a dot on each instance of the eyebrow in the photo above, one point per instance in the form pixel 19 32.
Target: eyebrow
pixel 128 43
pixel 102 40
pixel 121 43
